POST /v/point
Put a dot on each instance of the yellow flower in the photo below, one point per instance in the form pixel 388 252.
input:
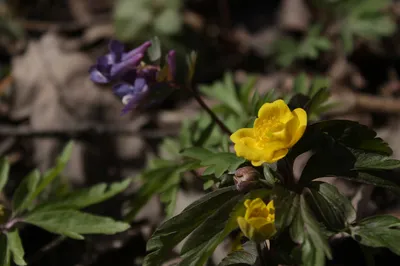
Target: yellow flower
pixel 275 131
pixel 258 224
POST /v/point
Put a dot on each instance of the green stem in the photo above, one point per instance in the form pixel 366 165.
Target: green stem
pixel 213 116
pixel 260 253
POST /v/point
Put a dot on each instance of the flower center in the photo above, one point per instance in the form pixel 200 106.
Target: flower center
pixel 265 129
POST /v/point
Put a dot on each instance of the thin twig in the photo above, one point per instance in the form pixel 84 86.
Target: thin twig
pixel 221 124
pixel 82 130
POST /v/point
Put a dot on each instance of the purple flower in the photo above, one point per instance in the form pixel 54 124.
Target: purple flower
pixel 138 84
pixel 149 84
pixel 117 63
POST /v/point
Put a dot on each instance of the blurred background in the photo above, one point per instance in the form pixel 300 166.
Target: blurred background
pixel 46 97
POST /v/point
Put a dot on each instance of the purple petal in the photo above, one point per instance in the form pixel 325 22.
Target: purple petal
pixel 98 77
pixel 123 89
pixel 117 49
pixel 141 85
pixel 171 61
pixel 129 76
pixel 107 59
pixel 124 66
pixel 140 50
pixel 132 104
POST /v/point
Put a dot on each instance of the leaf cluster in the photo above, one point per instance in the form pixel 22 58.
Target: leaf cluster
pixel 135 19
pixel 59 214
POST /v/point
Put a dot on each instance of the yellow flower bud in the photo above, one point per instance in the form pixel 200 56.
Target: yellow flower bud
pixel 275 131
pixel 258 224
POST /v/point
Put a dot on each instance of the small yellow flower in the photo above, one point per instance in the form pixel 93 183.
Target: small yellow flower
pixel 275 131
pixel 258 224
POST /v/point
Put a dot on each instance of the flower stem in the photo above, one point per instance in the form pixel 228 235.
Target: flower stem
pixel 260 253
pixel 221 124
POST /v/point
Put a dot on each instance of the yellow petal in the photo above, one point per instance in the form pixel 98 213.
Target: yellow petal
pixel 257 222
pixel 242 133
pixel 257 163
pixel 245 227
pixel 267 230
pixel 279 154
pixel 277 109
pixel 301 115
pixel 271 206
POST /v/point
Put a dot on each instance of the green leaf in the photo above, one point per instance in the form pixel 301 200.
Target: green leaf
pixel 174 230
pixel 54 172
pixel 154 51
pixel 191 60
pixel 202 242
pixel 4 171
pixel 226 93
pixel 286 206
pixel 243 257
pixel 209 234
pixel 157 180
pixel 246 89
pixel 378 231
pixel 318 100
pixel 131 18
pixel 300 84
pixel 217 163
pixel 371 161
pixel 86 197
pixel 306 231
pixel 24 194
pixel 169 22
pixel 72 223
pixel 334 209
pixel 197 153
pixel 16 248
pixel 4 251
pixel 169 199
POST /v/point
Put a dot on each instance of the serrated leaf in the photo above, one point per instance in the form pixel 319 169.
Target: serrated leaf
pixel 217 163
pixel 353 135
pixel 222 162
pixel 370 161
pixel 16 248
pixel 73 224
pixel 378 231
pixel 174 230
pixel 226 93
pixel 305 231
pixel 24 193
pixel 334 209
pixel 86 197
pixel 197 153
pixel 246 256
pixel 4 171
